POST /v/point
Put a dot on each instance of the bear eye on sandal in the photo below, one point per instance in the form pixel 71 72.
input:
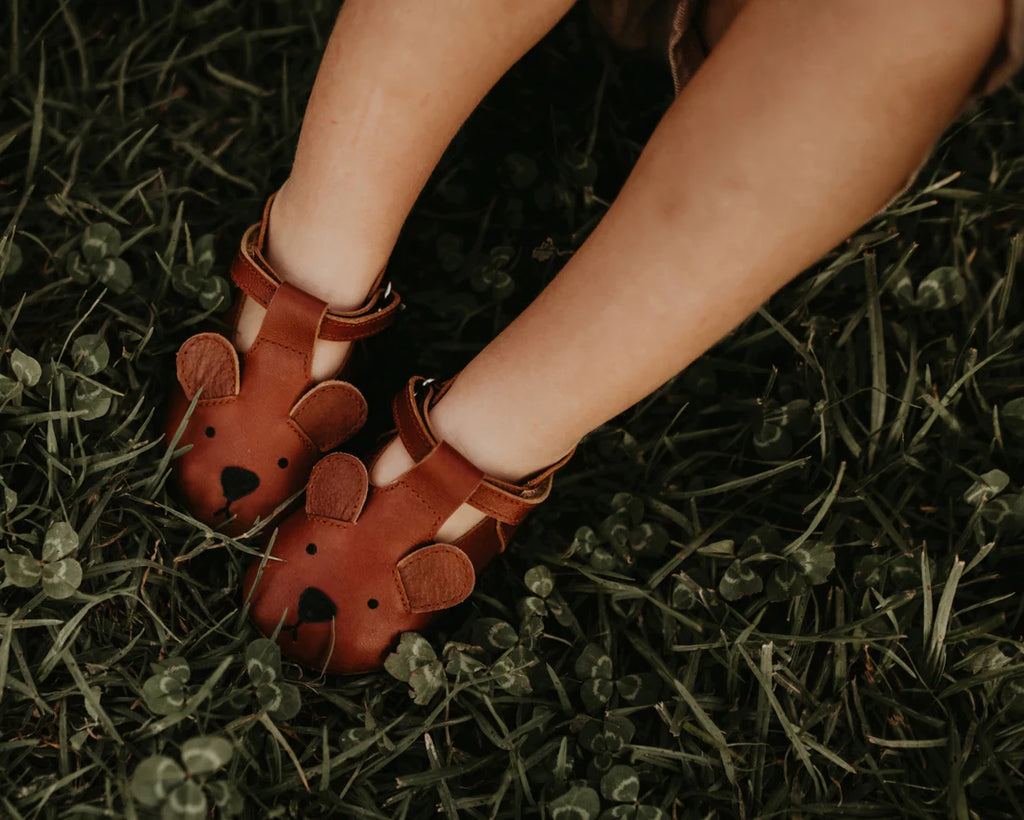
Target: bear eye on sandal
pixel 259 425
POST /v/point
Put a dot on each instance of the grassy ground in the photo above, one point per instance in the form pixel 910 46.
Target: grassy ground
pixel 786 585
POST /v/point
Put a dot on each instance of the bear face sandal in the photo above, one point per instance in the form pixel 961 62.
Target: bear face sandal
pixel 258 427
pixel 360 564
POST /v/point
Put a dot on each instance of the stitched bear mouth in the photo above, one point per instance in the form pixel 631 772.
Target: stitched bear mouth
pixel 315 606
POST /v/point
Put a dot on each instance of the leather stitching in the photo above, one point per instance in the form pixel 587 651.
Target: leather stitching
pixel 433 510
pixel 397 576
pixel 330 522
pixel 264 341
pixel 216 402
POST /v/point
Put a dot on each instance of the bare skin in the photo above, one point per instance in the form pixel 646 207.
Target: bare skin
pixel 774 124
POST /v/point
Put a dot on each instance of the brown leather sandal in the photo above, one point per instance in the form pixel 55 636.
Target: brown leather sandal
pixel 360 565
pixel 258 428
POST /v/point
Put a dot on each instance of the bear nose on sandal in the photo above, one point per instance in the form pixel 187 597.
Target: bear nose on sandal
pixel 315 606
pixel 238 482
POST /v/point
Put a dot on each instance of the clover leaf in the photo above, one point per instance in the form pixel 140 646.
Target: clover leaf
pixel 206 754
pixel 202 253
pixel 988 486
pixel 215 294
pixel 187 280
pixel 816 560
pixel 648 539
pixel 494 634
pixel 1006 513
pixel 685 592
pixel 608 736
pixel 621 784
pixel 61 578
pixel 785 582
pixel 579 803
pixel 280 699
pixel 941 289
pixel 460 661
pixel 639 688
pixel 739 580
pixel 764 539
pixel 415 662
pixel 26 369
pixel 593 662
pixel 114 273
pixel 772 442
pixel 90 354
pixel 92 399
pixel 60 541
pixel 539 581
pixel 226 797
pixel 585 540
pixel 163 694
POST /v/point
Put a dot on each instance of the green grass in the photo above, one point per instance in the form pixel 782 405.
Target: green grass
pixel 785 585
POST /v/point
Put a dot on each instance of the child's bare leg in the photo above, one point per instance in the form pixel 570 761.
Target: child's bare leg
pixel 804 120
pixel 396 82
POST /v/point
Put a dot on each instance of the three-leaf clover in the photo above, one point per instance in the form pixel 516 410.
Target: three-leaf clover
pixel 195 280
pixel 99 258
pixel 60 574
pixel 510 671
pixel 184 793
pixel 606 739
pixel 594 667
pixel 165 692
pixel 415 662
pixel 280 699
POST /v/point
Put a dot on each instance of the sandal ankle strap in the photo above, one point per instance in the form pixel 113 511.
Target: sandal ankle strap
pixel 505 501
pixel 254 276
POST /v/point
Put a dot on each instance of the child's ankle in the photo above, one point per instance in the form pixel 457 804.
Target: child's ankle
pixel 343 280
pixel 331 262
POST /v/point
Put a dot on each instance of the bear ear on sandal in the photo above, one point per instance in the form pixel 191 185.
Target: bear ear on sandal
pixel 259 422
pixel 359 565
